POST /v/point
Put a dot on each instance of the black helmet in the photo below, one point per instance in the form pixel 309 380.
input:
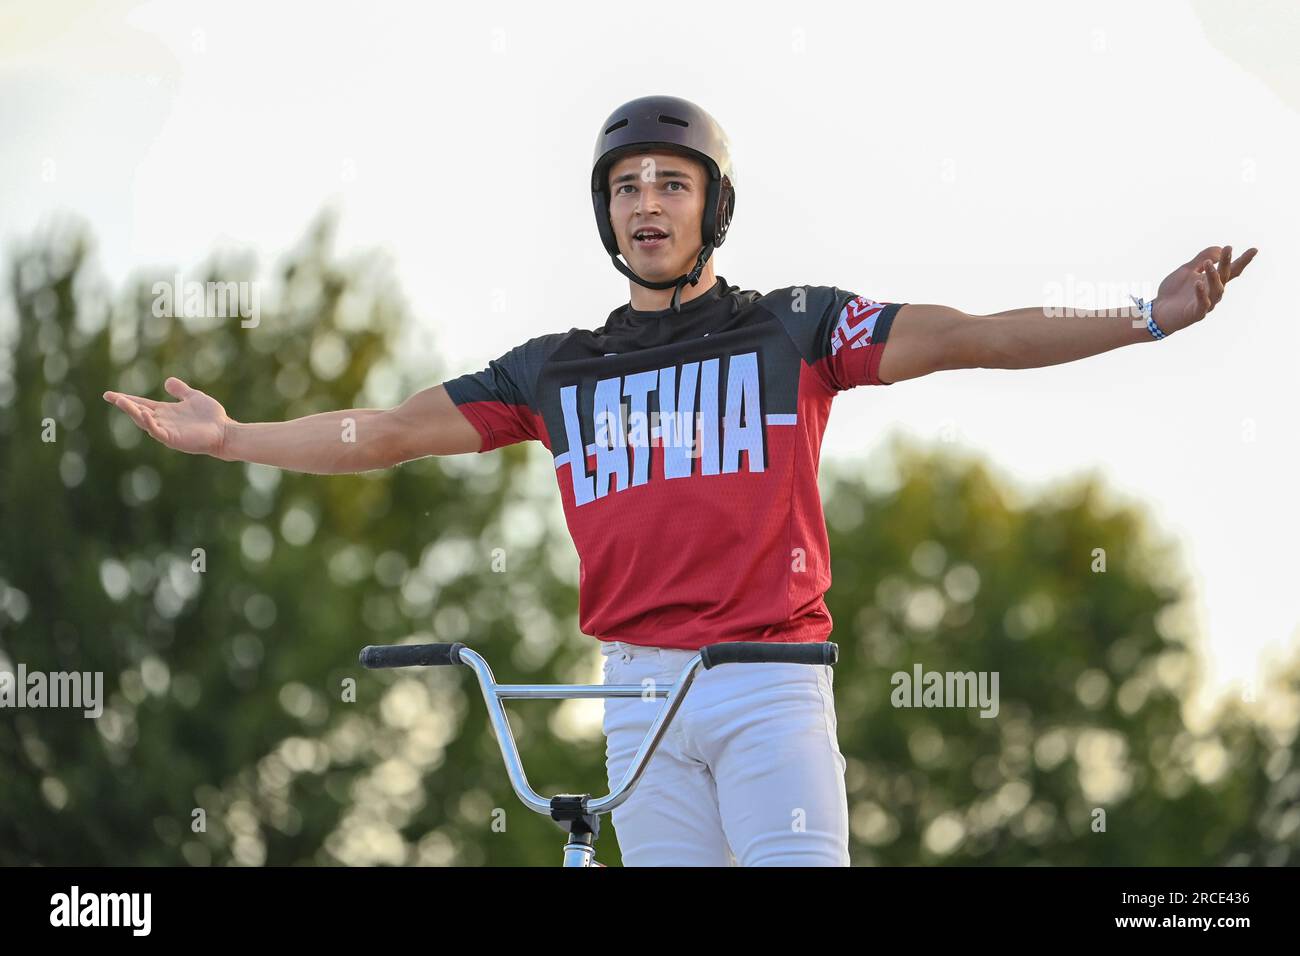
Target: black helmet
pixel 671 123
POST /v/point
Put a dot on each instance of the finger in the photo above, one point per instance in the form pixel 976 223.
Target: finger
pixel 1214 285
pixel 1225 264
pixel 132 409
pixel 176 387
pixel 136 412
pixel 143 417
pixel 137 399
pixel 1202 296
pixel 156 430
pixel 1210 252
pixel 150 424
pixel 1243 261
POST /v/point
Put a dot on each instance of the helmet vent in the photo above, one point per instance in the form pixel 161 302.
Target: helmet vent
pixel 619 125
pixel 673 120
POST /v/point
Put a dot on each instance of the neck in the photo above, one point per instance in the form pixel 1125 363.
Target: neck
pixel 654 300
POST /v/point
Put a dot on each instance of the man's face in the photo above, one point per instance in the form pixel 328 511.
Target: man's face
pixel 658 193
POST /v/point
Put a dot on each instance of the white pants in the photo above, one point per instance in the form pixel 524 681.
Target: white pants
pixel 749 773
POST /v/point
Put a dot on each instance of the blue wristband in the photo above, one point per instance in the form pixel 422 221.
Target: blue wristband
pixel 1145 308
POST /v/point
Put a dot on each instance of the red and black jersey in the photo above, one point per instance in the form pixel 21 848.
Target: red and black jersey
pixel 686 450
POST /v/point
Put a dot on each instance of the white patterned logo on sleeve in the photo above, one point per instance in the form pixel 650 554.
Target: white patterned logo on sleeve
pixel 857 322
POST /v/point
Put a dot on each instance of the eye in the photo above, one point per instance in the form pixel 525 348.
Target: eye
pixel 676 183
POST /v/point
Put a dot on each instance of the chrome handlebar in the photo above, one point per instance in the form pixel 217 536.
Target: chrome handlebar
pixel 417 655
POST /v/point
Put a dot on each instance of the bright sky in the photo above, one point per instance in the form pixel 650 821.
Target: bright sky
pixel 950 153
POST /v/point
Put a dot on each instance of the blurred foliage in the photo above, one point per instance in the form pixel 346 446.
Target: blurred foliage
pixel 1096 669
pixel 226 690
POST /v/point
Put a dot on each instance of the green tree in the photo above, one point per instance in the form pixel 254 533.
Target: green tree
pixel 225 604
pixel 1071 600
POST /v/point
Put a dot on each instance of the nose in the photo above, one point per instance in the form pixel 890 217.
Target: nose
pixel 646 201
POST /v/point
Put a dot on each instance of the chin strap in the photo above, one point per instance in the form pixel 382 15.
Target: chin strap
pixel 693 277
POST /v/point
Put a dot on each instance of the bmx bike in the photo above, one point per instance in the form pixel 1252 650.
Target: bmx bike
pixel 579 813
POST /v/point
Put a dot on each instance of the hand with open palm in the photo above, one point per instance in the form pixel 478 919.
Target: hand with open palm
pixel 196 424
pixel 1192 290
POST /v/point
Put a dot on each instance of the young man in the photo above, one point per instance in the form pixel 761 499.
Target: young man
pixel 685 432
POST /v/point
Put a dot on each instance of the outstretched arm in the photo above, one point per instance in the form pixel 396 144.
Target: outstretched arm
pixel 329 443
pixel 930 338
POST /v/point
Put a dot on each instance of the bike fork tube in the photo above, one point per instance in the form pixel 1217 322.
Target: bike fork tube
pixel 579 851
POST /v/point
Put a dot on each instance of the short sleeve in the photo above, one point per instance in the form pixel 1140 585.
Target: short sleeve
pixel 499 400
pixel 856 341
pixel 840 335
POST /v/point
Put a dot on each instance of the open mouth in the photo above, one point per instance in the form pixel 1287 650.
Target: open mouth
pixel 648 238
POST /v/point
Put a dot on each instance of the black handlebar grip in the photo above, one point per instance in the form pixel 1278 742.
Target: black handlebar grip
pixel 410 655
pixel 762 652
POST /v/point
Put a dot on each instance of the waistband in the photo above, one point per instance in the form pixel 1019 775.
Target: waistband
pixel 629 651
